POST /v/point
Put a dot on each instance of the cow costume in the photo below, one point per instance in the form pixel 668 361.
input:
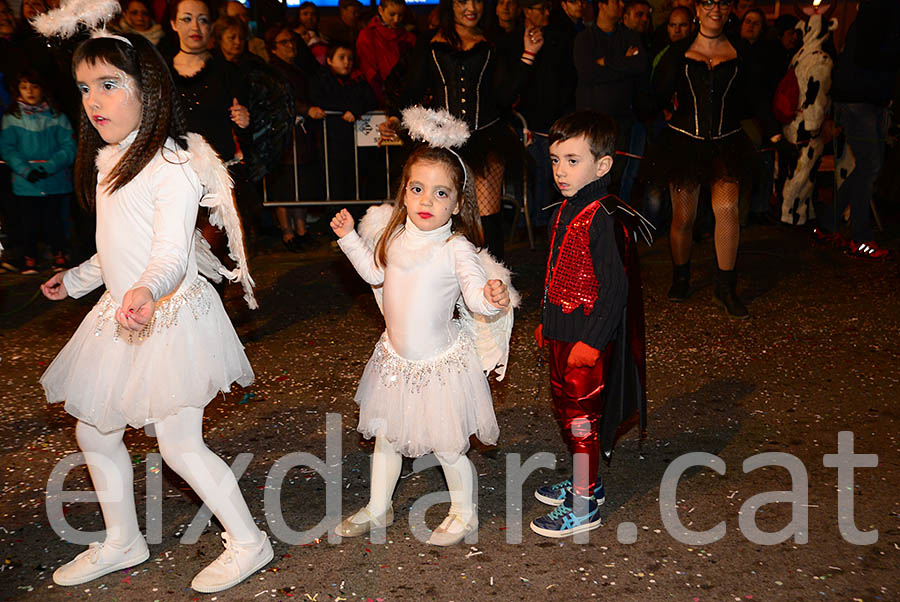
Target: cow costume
pixel 812 66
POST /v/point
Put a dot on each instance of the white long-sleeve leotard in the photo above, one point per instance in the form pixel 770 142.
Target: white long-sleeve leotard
pixel 145 230
pixel 426 273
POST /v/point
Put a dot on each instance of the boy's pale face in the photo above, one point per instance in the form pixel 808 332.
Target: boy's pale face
pixel 574 166
pixel 342 62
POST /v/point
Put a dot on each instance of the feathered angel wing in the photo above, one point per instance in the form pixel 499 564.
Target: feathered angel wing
pixel 219 199
pixel 371 226
pixel 492 332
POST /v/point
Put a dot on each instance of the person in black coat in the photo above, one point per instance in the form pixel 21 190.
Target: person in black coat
pixel 548 93
pixel 339 87
pixel 862 88
pixel 298 175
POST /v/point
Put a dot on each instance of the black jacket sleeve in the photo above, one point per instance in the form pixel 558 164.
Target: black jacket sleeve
pixel 665 77
pixel 415 85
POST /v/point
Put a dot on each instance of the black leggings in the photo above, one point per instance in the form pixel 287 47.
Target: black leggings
pixel 37 219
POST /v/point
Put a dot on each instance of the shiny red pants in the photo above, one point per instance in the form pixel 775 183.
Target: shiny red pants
pixel 578 406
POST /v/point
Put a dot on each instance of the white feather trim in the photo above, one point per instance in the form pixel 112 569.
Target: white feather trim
pixel 492 333
pixel 64 21
pixel 207 262
pixel 219 199
pixel 107 157
pixel 370 229
pixel 437 128
pixel 374 222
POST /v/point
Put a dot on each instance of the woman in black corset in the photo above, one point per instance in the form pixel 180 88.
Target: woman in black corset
pixel 212 94
pixel 212 97
pixel 709 85
pixel 459 70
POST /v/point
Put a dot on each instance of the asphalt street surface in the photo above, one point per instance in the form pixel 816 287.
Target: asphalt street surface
pixel 820 355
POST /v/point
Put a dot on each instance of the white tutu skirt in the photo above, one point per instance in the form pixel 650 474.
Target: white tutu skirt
pixel 110 377
pixel 431 405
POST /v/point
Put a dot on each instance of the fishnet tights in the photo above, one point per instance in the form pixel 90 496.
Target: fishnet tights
pixel 724 195
pixel 488 187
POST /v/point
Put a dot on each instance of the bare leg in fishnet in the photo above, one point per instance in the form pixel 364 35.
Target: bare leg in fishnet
pixel 487 190
pixel 488 187
pixel 728 230
pixel 728 233
pixel 684 212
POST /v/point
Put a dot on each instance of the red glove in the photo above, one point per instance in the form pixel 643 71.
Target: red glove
pixel 582 356
pixel 539 335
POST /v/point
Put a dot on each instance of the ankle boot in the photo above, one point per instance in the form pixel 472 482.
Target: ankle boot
pixel 492 225
pixel 726 294
pixel 681 282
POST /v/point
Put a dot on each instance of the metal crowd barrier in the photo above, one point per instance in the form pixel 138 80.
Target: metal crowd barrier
pixel 520 208
pixel 366 136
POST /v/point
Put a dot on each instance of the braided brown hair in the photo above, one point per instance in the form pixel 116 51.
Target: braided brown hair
pixel 161 114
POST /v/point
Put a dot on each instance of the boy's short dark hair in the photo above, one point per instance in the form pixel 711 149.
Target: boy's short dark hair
pixel 334 46
pixel 632 3
pixel 598 129
pixel 307 4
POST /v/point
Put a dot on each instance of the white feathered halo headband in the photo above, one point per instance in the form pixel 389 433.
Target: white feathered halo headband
pixel 65 21
pixel 439 129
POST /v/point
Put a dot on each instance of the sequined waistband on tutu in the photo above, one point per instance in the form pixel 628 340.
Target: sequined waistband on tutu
pixel 196 297
pixel 396 370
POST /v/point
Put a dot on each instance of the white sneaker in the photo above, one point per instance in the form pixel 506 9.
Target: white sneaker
pixel 235 564
pixel 101 559
pixel 452 530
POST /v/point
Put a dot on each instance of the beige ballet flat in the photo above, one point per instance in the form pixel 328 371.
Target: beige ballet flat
pixel 350 528
pixel 453 530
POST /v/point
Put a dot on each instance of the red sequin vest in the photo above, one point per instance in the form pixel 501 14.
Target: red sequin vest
pixel 573 282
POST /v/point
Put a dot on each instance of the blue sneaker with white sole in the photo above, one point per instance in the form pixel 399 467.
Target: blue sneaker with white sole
pixel 553 495
pixel 575 515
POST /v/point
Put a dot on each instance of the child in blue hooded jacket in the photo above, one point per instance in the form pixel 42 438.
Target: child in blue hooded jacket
pixel 38 145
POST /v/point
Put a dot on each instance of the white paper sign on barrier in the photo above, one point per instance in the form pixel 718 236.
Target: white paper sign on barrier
pixel 367 133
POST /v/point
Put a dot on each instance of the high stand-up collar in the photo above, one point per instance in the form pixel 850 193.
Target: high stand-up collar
pixel 591 191
pixel 439 234
pixel 127 140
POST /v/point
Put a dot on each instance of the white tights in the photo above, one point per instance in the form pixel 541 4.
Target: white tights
pixel 386 462
pixel 181 444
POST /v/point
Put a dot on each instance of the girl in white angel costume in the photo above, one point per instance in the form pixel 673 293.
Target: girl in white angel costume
pixel 424 389
pixel 158 346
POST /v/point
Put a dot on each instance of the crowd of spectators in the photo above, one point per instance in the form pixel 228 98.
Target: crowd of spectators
pixel 260 90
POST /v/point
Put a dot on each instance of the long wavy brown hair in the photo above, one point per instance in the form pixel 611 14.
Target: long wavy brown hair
pixel 161 115
pixel 465 223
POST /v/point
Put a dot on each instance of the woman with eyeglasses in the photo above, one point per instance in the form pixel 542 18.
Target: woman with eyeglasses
pixel 298 173
pixel 713 84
